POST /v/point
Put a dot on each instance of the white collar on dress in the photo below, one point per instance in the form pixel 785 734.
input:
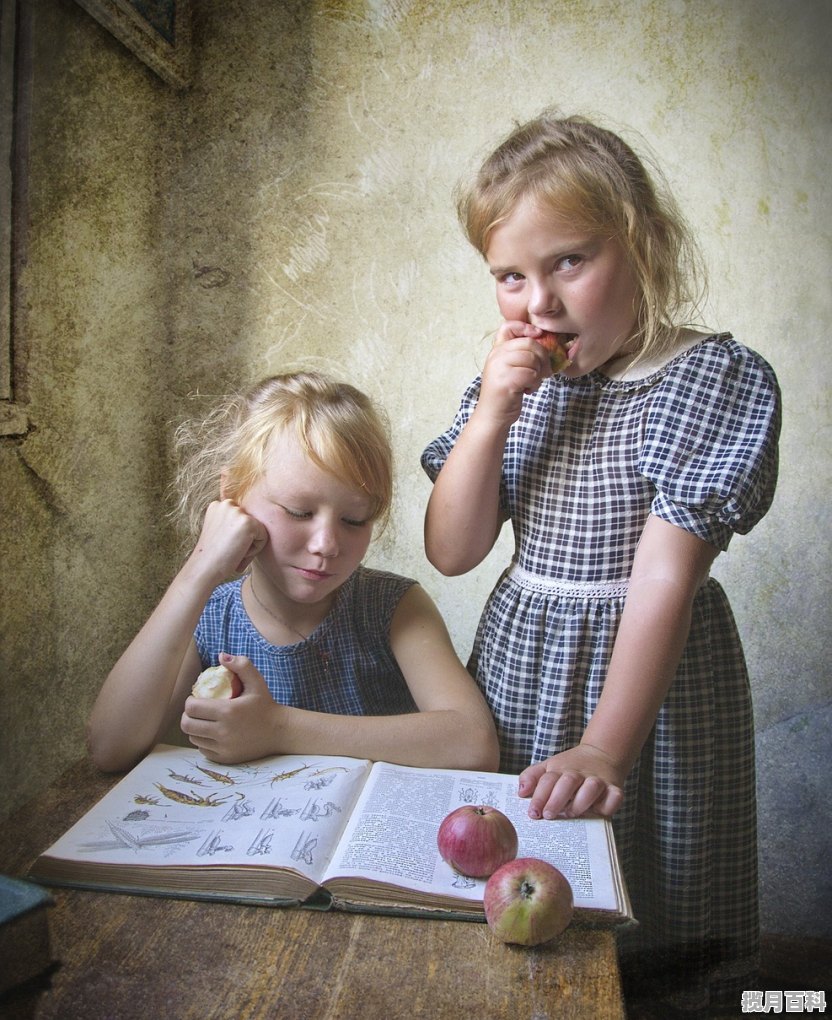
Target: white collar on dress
pixel 622 369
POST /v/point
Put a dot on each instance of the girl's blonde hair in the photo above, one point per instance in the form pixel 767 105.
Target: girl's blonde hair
pixel 337 426
pixel 591 177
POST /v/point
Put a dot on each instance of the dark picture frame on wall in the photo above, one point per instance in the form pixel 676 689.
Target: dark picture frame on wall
pixel 158 32
pixel 15 114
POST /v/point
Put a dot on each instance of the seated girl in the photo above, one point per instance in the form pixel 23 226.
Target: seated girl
pixel 283 486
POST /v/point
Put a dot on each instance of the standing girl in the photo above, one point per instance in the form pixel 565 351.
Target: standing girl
pixel 609 658
pixel 334 658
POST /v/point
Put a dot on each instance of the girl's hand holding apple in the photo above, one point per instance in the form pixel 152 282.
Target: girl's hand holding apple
pixel 515 365
pixel 217 682
pixel 239 728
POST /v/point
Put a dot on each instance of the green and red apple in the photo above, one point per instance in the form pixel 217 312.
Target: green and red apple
pixel 528 901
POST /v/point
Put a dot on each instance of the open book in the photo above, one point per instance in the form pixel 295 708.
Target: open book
pixel 326 832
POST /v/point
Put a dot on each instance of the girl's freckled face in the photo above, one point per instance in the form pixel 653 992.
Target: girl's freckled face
pixel 566 281
pixel 318 527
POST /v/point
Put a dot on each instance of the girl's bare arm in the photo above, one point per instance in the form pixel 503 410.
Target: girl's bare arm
pixel 463 517
pixel 452 729
pixel 669 566
pixel 146 689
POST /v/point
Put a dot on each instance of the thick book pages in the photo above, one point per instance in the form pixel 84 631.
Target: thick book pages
pixel 326 832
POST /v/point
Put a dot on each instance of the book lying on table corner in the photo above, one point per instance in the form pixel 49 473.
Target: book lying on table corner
pixel 325 832
pixel 25 944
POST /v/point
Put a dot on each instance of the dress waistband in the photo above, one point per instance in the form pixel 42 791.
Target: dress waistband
pixel 573 589
pixel 568 589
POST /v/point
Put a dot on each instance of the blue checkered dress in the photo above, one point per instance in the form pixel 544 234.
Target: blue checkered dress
pixel 694 443
pixel 346 666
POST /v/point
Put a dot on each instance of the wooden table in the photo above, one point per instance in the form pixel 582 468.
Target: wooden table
pixel 134 956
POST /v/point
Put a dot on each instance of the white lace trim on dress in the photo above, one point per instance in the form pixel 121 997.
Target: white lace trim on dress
pixel 573 589
pixel 568 589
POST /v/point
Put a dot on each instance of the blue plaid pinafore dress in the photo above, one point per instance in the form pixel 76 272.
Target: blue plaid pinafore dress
pixel 346 666
pixel 694 443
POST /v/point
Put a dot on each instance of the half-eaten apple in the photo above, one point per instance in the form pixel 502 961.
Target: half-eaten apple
pixel 217 682
pixel 558 355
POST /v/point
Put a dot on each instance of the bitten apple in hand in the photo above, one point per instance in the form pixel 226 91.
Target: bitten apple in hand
pixel 217 682
pixel 557 354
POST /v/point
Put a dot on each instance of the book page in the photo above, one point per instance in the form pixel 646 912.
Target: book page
pixel 392 835
pixel 176 808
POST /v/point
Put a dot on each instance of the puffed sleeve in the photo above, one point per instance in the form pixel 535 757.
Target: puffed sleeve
pixel 711 441
pixel 436 453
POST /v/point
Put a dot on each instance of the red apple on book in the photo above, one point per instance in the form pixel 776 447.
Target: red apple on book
pixel 217 682
pixel 528 901
pixel 476 839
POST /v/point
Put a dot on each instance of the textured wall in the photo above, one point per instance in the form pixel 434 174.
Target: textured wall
pixel 294 207
pixel 80 544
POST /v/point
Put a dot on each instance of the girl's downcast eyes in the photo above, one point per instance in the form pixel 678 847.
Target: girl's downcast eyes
pixel 305 515
pixel 297 515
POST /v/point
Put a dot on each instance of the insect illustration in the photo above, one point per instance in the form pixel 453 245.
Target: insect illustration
pixel 262 844
pixel 184 779
pixel 276 810
pixel 141 798
pixel 218 777
pixel 314 810
pixel 213 845
pixel 318 784
pixel 193 799
pixel 281 776
pixel 242 809
pixel 304 847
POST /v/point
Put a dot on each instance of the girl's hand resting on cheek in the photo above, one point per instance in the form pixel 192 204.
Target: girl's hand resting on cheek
pixel 229 540
pixel 238 729
pixel 580 781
